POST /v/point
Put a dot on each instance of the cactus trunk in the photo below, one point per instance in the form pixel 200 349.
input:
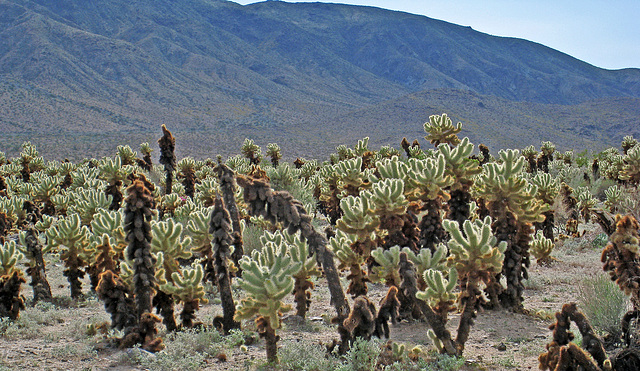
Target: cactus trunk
pixel 39 283
pixel 164 304
pixel 228 187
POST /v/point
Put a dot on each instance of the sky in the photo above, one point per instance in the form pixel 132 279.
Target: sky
pixel 604 33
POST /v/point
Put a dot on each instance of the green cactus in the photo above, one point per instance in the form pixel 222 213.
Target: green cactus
pixel 341 245
pixel 251 151
pixel 101 257
pixel 114 172
pixel 631 169
pixel 463 169
pixel 33 250
pixel 43 191
pixel 425 260
pixel 357 220
pixel 440 129
pixel 186 172
pixel 439 293
pixel 541 248
pixel 628 143
pixel 126 155
pixel 546 156
pixel 11 278
pixel 110 223
pixel 267 279
pixel 273 151
pixel 512 205
pixel 86 204
pixel 72 240
pixel 548 190
pixel 206 191
pixel 169 203
pixel 145 163
pixel 186 287
pixel 353 178
pixel 388 268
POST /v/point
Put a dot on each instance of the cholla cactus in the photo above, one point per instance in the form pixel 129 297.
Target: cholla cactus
pixel 114 172
pixel 299 252
pixel 353 178
pixel 118 301
pixel 251 151
pixel 72 239
pixel 11 302
pixel 548 190
pixel 186 172
pixel 463 169
pixel 218 256
pixel 186 287
pixel 389 204
pixel 102 257
pixel 512 204
pixel 126 155
pixel 230 192
pixel 137 214
pixel 425 260
pixel 358 221
pixel 631 169
pixel 145 163
pixel 167 157
pixel 546 156
pixel 628 143
pixel 620 257
pixel 273 151
pixel 341 245
pixel 541 248
pixel 110 223
pixel 440 129
pixel 267 279
pixel 169 246
pixel 562 354
pixel 206 191
pixel 388 265
pixel 31 247
pixel 86 204
pixel 531 155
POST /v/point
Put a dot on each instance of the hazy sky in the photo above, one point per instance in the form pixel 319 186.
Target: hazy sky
pixel 605 33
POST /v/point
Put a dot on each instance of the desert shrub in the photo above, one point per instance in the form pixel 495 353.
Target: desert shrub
pixel 363 356
pixel 305 356
pixel 603 303
pixel 185 350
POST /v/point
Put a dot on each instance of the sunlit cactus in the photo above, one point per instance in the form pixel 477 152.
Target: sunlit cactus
pixel 43 192
pixel 86 204
pixel 169 246
pixel 186 287
pixel 628 143
pixel 631 169
pixel 358 220
pixel 145 163
pixel 126 155
pixel 341 245
pixel 186 172
pixel 11 278
pixel 620 257
pixel 273 151
pixel 251 151
pixel 267 279
pixel 547 150
pixel 33 250
pixel 72 240
pixel 463 169
pixel 352 177
pixel 425 260
pixel 110 223
pixel 548 190
pixel 167 146
pixel 531 154
pixel 114 172
pixel 387 202
pixel 101 257
pixel 206 191
pixel 541 249
pixel 169 203
pixel 512 205
pixel 440 129
pixel 388 265
pixel 230 193
pixel 299 252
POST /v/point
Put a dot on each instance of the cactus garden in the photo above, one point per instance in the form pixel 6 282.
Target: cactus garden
pixel 442 254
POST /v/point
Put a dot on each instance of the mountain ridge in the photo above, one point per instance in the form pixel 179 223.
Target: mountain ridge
pixel 217 66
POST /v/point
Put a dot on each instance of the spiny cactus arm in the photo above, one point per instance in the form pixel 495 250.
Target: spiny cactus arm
pixel 541 248
pixel 631 170
pixel 10 255
pixel 187 285
pixel 110 222
pixel 166 238
pixel 439 290
pixel 440 129
pixel 386 198
pixel 392 168
pixel 428 180
pixel 356 218
pixel 388 269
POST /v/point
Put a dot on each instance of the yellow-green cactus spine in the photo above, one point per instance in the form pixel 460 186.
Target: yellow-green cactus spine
pixel 72 239
pixel 86 204
pixel 341 245
pixel 439 293
pixel 11 302
pixel 114 172
pixel 266 286
pixel 440 129
pixel 299 252
pixel 110 223
pixel 273 151
pixel 251 151
pixel 186 287
pixel 425 260
pixel 541 248
pixel 631 169
pixel 388 268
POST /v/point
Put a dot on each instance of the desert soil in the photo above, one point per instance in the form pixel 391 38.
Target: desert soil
pixel 499 340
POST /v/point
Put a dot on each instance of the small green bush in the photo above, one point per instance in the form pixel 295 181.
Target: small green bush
pixel 603 303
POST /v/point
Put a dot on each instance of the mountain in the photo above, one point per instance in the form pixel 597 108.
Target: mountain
pixel 307 75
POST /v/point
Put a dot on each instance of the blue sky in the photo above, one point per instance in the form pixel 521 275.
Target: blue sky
pixel 600 32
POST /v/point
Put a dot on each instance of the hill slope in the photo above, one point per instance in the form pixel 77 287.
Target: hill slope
pixel 295 73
